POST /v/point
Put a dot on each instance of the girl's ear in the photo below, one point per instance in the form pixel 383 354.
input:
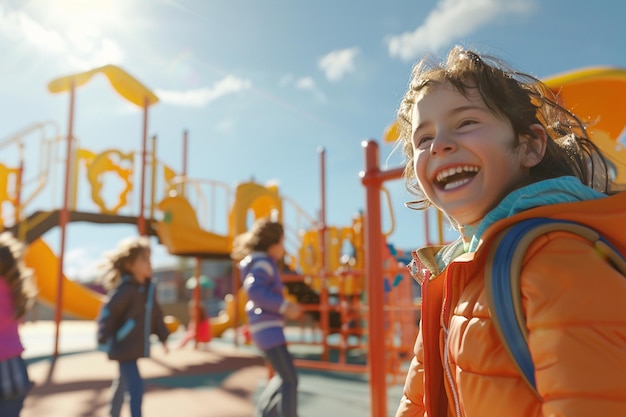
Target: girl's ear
pixel 535 146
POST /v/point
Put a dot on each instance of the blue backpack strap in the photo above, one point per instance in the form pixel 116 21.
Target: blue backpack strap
pixel 503 287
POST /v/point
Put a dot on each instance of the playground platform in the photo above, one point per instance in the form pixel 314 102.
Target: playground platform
pixel 219 381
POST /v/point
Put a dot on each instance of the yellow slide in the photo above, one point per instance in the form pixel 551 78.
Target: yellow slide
pixel 181 233
pixel 83 303
pixel 78 300
pixel 225 320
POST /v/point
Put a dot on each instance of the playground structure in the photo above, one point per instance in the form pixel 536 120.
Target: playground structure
pixel 322 275
pixel 365 285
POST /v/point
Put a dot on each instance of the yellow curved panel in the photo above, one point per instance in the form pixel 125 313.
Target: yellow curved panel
pixel 309 257
pixel 101 164
pixel 615 152
pixel 595 95
pixel 78 300
pixel 392 133
pixel 126 86
pixel 180 231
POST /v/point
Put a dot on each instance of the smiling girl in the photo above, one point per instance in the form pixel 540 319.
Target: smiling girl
pixel 489 147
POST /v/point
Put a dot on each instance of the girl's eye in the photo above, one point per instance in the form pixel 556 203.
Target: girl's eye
pixel 467 122
pixel 423 142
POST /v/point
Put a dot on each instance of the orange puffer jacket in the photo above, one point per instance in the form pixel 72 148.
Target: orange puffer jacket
pixel 574 303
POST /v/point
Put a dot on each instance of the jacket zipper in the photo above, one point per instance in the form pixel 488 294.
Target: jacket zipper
pixel 446 362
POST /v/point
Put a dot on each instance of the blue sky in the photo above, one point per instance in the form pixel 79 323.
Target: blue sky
pixel 261 85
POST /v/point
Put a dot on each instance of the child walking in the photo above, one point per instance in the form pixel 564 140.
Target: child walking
pixel 489 147
pixel 129 317
pixel 258 251
pixel 17 293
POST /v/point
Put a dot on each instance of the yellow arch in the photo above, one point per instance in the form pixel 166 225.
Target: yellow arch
pixel 262 200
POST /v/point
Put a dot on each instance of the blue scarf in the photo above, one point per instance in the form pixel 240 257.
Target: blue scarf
pixel 566 189
pixel 542 193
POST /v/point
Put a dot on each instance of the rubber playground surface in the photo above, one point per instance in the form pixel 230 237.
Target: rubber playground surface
pixel 219 381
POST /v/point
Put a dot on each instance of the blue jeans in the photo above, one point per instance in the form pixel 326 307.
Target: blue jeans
pixel 282 363
pixel 14 378
pixel 130 381
pixel 11 407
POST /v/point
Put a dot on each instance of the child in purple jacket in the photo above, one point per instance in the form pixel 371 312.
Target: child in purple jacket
pixel 258 251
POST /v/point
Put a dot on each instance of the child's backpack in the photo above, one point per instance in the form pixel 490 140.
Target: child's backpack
pixel 502 281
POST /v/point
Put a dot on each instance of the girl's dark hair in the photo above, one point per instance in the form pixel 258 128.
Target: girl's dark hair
pixel 17 276
pixel 114 265
pixel 263 234
pixel 521 99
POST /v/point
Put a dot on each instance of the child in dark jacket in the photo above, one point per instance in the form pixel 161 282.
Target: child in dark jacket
pixel 258 251
pixel 129 317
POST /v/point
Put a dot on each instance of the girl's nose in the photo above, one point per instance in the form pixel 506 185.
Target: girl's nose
pixel 442 143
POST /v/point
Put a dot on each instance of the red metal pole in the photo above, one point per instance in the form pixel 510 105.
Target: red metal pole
pixel 197 296
pixel 236 284
pixel 374 268
pixel 324 315
pixel 63 219
pixel 153 171
pixel 373 178
pixel 141 219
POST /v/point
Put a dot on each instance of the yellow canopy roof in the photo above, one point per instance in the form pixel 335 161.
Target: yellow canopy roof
pixel 127 86
pixel 596 95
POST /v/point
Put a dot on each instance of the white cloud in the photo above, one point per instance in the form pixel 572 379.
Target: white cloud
pixel 18 26
pixel 308 84
pixel 81 265
pixel 337 64
pixel 202 96
pixel 303 84
pixel 285 80
pixel 83 48
pixel 226 126
pixel 450 21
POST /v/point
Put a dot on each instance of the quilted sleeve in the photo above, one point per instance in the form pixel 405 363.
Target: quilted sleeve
pixel 574 305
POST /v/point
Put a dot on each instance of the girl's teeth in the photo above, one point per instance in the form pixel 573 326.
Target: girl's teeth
pixel 455 184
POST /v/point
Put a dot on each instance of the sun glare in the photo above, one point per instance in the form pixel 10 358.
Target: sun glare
pixel 90 28
pixel 89 15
